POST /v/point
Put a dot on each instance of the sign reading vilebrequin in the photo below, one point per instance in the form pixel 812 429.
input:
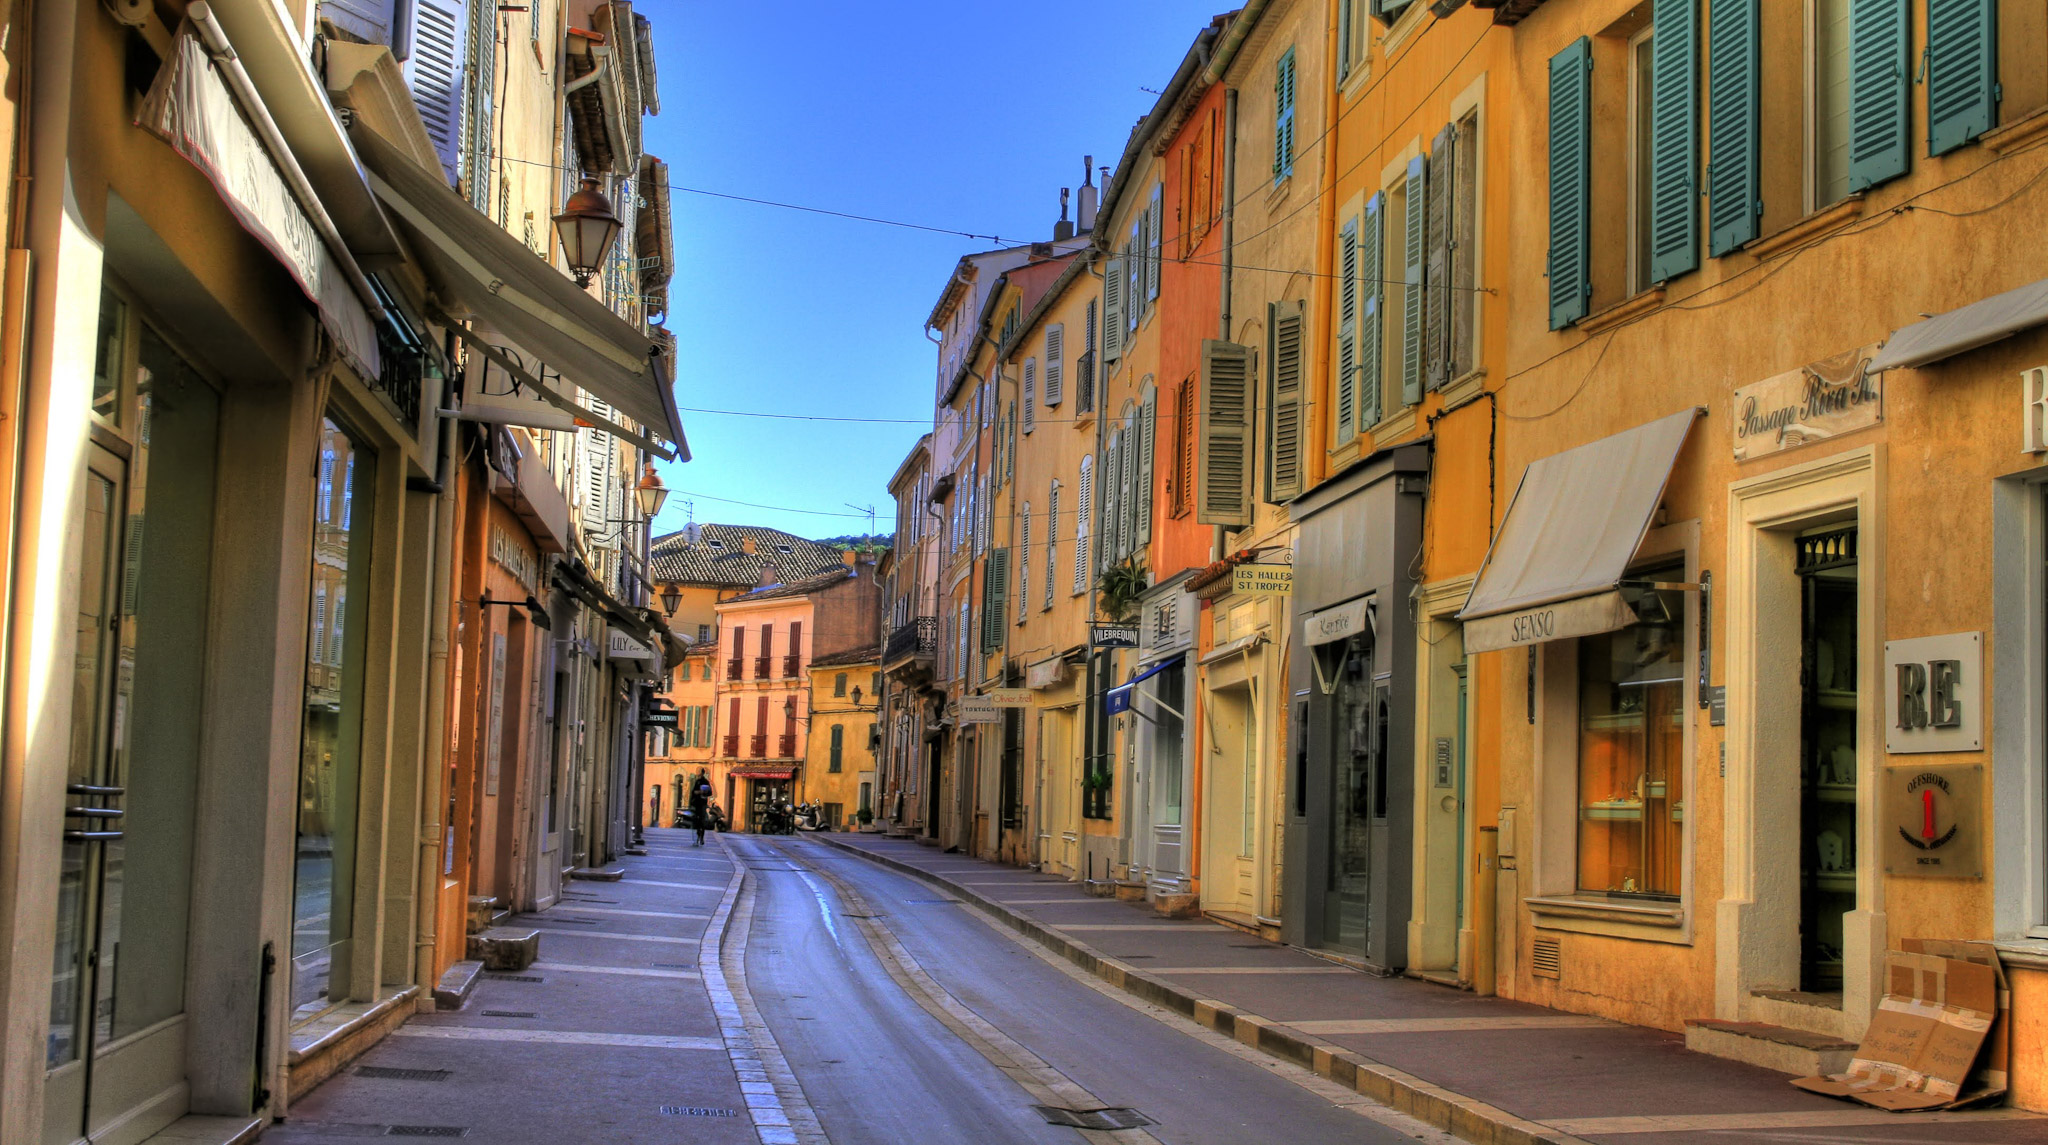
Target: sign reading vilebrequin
pixel 1934 694
pixel 1815 402
pixel 1933 822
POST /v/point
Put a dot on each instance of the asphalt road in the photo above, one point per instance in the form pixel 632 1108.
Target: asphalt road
pixel 875 1065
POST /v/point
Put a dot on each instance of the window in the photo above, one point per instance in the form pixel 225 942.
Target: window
pixel 1031 394
pixel 1351 43
pixel 1284 400
pixel 839 684
pixel 1024 564
pixel 1052 543
pixel 1084 508
pixel 683 672
pixel 1642 70
pixel 1405 236
pixel 1830 112
pixel 1631 685
pixel 1055 349
pixel 1571 125
pixel 1283 118
pixel 1084 380
pixel 1223 486
pixel 1180 480
pixel 1388 11
pixel 838 758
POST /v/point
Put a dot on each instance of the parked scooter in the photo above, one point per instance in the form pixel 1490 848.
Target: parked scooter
pixel 714 818
pixel 778 819
pixel 810 817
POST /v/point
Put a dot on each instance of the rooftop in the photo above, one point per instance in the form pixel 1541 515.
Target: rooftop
pixel 718 556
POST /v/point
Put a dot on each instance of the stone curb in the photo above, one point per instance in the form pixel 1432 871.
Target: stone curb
pixel 1466 1117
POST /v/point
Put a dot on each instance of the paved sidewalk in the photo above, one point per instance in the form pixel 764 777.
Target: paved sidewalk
pixel 1488 1069
pixel 611 1036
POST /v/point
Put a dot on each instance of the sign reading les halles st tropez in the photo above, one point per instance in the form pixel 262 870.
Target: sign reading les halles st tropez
pixel 1815 402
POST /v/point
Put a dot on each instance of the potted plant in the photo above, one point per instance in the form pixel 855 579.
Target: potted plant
pixel 1119 587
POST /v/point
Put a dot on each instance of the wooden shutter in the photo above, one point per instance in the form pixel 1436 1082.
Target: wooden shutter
pixel 1222 475
pixel 1010 442
pixel 995 595
pixel 1055 351
pixel 1135 308
pixel 1155 219
pixel 1962 72
pixel 1024 563
pixel 598 450
pixel 1284 400
pixel 1344 386
pixel 1084 400
pixel 1052 539
pixel 796 644
pixel 1127 496
pixel 479 104
pixel 1877 90
pixel 1112 477
pixel 1464 299
pixel 761 716
pixel 1084 525
pixel 1283 117
pixel 1113 310
pixel 1147 439
pixel 1674 140
pixel 1733 124
pixel 1030 394
pixel 838 746
pixel 1415 225
pixel 1344 61
pixel 1436 269
pixel 1571 128
pixel 434 73
pixel 1371 324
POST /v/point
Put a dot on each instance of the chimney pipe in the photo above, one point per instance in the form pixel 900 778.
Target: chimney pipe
pixel 1062 230
pixel 1084 212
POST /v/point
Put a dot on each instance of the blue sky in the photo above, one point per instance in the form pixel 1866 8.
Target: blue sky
pixel 963 114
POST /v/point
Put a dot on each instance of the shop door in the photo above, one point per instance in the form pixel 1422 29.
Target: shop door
pixel 547 880
pixel 1229 838
pixel 1169 747
pixel 1358 795
pixel 1828 752
pixel 116 1047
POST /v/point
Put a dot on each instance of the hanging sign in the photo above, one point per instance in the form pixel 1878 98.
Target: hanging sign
pixel 1102 635
pixel 670 718
pixel 1934 694
pixel 622 646
pixel 979 710
pixel 1933 821
pixel 1815 402
pixel 1263 580
pixel 1009 697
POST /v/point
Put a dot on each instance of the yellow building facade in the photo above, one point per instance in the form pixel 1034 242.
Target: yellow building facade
pixel 839 764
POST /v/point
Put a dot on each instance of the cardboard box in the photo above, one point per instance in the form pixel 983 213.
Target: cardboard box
pixel 1939 1038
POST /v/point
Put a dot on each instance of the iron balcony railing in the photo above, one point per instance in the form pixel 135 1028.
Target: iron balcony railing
pixel 761 664
pixel 792 666
pixel 732 747
pixel 759 747
pixel 919 637
pixel 785 746
pixel 732 668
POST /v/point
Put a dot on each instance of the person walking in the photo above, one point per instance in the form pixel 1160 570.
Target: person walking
pixel 700 808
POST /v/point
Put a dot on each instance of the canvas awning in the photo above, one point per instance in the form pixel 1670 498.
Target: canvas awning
pixel 1576 521
pixel 1337 621
pixel 508 288
pixel 1964 328
pixel 763 773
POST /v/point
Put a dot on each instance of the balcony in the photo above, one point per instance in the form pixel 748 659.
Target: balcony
pixel 761 666
pixel 732 747
pixel 758 748
pixel 785 746
pixel 792 667
pixel 732 668
pixel 918 639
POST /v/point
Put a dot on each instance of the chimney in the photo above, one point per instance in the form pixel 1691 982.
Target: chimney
pixel 769 575
pixel 1084 213
pixel 1062 230
pixel 747 544
pixel 850 558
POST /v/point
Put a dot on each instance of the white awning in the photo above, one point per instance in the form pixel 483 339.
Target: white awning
pixel 1965 328
pixel 1577 519
pixel 1337 621
pixel 515 292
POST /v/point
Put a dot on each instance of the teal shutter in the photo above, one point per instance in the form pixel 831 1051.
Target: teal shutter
pixel 1734 111
pixel 838 746
pixel 1344 60
pixel 1284 401
pixel 1113 310
pixel 995 596
pixel 1372 281
pixel 1877 91
pixel 1283 118
pixel 1416 219
pixel 1342 386
pixel 1145 436
pixel 1962 72
pixel 1571 174
pixel 1674 140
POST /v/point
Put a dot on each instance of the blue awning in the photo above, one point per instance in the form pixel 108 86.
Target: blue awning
pixel 1118 699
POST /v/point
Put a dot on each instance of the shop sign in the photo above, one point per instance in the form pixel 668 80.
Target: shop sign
pixel 1263 580
pixel 979 710
pixel 1815 402
pixel 1009 697
pixel 1934 694
pixel 2034 410
pixel 1528 627
pixel 1351 618
pixel 515 558
pixel 1112 635
pixel 670 718
pixel 1933 821
pixel 494 721
pixel 621 646
pixel 1046 673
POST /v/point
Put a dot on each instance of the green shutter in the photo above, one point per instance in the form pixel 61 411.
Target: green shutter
pixel 1113 310
pixel 1733 113
pixel 1283 117
pixel 1674 140
pixel 1155 219
pixel 1342 386
pixel 1145 434
pixel 1415 212
pixel 1436 269
pixel 838 745
pixel 1222 475
pixel 995 595
pixel 1284 398
pixel 1878 30
pixel 1571 161
pixel 1372 276
pixel 1344 60
pixel 1962 72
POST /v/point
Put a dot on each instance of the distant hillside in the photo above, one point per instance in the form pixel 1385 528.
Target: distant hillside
pixel 861 540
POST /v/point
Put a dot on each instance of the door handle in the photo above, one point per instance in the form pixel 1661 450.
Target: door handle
pixel 93 789
pixel 96 812
pixel 71 836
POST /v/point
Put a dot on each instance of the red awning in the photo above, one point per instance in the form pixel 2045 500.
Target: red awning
pixel 785 773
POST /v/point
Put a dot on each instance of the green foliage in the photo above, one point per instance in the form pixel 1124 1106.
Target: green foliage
pixel 1119 587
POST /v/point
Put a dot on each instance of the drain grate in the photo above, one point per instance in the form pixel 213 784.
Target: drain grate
pixel 510 1014
pixel 512 978
pixel 329 1129
pixel 698 1111
pixel 1113 1117
pixel 427 1131
pixel 390 1074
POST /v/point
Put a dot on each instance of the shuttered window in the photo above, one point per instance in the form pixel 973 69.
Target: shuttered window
pixel 1962 72
pixel 1155 222
pixel 1371 304
pixel 1344 385
pixel 1127 490
pixel 995 590
pixel 1112 477
pixel 838 757
pixel 1436 269
pixel 1084 523
pixel 1284 398
pixel 434 74
pixel 1283 117
pixel 1112 310
pixel 1464 298
pixel 1571 126
pixel 1055 352
pixel 1733 124
pixel 1030 394
pixel 1222 472
pixel 1135 307
pixel 479 105
pixel 1414 290
pixel 1674 140
pixel 1146 435
pixel 1024 563
pixel 1183 477
pixel 1052 539
pixel 1878 86
pixel 1084 382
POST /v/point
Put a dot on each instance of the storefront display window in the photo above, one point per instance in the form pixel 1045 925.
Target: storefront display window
pixel 1632 749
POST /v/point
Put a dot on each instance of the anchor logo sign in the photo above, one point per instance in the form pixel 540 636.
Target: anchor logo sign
pixel 1936 806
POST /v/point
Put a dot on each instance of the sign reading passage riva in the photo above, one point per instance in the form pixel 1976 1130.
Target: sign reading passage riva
pixel 1263 580
pixel 1815 402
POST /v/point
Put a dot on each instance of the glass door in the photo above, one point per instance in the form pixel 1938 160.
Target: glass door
pixel 1827 732
pixel 1357 794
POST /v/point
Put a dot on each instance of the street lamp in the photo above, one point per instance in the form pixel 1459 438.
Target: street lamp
pixel 587 227
pixel 671 599
pixel 652 493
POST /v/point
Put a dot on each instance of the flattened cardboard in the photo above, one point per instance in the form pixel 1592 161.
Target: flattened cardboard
pixel 1936 1041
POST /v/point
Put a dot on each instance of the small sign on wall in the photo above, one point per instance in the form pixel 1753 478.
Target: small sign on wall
pixel 1934 694
pixel 1933 821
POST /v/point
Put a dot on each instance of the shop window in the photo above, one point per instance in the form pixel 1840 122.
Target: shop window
pixel 1631 757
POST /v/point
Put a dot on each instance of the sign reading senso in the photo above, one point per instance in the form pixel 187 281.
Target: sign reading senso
pixel 1815 402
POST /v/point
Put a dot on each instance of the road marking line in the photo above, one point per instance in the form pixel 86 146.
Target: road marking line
pixel 1060 902
pixel 1441 1025
pixel 782 1116
pixel 623 971
pixel 561 1037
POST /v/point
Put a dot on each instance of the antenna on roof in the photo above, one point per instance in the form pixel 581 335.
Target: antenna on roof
pixel 692 532
pixel 869 510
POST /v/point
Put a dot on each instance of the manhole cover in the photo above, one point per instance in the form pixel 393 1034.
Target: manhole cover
pixel 427 1131
pixel 512 977
pixel 510 1014
pixel 1113 1117
pixel 698 1111
pixel 390 1074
